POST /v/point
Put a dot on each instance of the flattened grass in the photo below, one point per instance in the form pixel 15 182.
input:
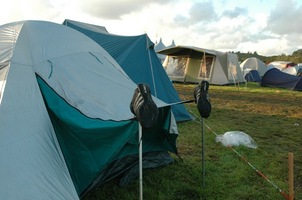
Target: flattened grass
pixel 271 116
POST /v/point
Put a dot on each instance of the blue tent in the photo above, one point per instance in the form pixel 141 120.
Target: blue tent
pixel 253 76
pixel 136 55
pixel 276 78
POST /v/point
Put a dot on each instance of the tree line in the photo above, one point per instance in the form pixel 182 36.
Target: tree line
pixel 296 57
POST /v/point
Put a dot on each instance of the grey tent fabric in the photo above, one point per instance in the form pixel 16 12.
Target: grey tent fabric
pixel 32 165
pixel 64 101
pixel 253 63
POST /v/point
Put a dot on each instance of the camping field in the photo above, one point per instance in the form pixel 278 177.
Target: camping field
pixel 271 116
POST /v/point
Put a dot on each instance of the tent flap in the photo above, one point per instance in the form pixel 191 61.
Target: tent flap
pixel 90 144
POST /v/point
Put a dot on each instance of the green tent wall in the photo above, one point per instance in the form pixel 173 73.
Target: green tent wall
pixel 137 57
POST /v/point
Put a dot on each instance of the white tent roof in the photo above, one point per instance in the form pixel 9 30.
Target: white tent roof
pixel 279 64
pixel 292 70
pixel 253 63
pixel 159 46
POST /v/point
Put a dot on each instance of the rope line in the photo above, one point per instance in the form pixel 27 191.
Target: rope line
pixel 286 196
pixel 260 173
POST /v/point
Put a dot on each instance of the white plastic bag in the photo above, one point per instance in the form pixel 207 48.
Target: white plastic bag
pixel 236 138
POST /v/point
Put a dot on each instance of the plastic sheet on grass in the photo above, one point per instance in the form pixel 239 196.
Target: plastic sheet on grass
pixel 236 138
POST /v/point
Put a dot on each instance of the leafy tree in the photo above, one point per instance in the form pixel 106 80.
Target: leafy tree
pixel 296 57
pixel 297 53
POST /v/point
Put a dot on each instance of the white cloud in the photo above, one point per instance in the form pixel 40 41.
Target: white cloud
pixel 17 10
pixel 115 9
pixel 200 12
pixel 270 46
pixel 267 26
pixel 285 18
pixel 236 12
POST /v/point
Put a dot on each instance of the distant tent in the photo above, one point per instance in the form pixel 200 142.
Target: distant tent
pixel 159 46
pixel 299 72
pixel 171 45
pixel 186 64
pixel 253 63
pixel 291 70
pixel 136 56
pixel 253 76
pixel 285 66
pixel 279 64
pixel 276 78
pixel 65 116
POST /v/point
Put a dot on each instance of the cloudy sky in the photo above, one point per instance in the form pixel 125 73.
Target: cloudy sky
pixel 269 27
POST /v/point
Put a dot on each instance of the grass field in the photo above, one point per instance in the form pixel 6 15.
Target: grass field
pixel 271 116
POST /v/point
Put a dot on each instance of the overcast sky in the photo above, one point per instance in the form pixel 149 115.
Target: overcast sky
pixel 269 27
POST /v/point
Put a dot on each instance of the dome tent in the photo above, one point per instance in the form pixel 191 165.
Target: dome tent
pixel 64 118
pixel 253 76
pixel 253 63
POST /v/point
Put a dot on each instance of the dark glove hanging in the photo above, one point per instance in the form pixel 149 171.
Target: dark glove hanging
pixel 143 106
pixel 202 99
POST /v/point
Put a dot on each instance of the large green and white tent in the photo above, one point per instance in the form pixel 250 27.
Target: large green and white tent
pixel 193 64
pixel 136 55
pixel 65 116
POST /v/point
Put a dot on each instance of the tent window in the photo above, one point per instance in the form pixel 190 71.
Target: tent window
pixel 232 73
pixel 232 68
pixel 205 67
pixel 176 66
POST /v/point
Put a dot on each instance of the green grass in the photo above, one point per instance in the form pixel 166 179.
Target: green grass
pixel 269 115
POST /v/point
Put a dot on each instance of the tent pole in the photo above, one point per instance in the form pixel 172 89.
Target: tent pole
pixel 204 64
pixel 204 107
pixel 151 66
pixel 146 113
pixel 202 154
pixel 203 160
pixel 140 161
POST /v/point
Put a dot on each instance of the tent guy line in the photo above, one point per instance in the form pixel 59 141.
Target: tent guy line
pixel 286 196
